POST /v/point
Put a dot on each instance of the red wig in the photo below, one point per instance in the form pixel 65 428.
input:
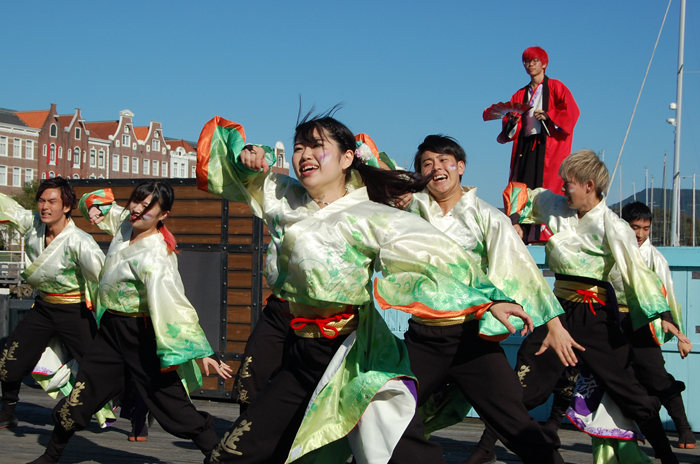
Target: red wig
pixel 536 52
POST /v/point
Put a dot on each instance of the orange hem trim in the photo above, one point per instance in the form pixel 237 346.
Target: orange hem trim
pixel 494 338
pixel 653 334
pixel 170 369
pixel 422 310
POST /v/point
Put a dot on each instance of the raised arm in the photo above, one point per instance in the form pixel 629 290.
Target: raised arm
pixel 101 210
pixel 229 168
pixel 12 213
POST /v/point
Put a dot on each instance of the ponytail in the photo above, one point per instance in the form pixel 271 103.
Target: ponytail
pixel 387 187
pixel 168 237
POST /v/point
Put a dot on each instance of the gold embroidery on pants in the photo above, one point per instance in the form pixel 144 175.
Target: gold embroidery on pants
pixel 8 354
pixel 244 374
pixel 72 401
pixel 569 390
pixel 228 443
pixel 521 374
pixel 242 392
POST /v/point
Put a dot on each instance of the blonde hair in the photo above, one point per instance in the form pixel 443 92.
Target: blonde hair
pixel 584 165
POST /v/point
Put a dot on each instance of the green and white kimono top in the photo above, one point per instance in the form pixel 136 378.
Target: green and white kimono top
pixel 323 259
pixel 489 238
pixel 67 270
pixel 590 246
pixel 657 263
pixel 143 278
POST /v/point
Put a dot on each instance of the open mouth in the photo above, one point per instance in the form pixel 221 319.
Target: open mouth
pixel 308 168
pixel 439 177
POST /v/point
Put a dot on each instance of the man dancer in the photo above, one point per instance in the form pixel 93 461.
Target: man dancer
pixel 64 264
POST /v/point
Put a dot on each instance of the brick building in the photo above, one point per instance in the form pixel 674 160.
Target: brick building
pixel 41 144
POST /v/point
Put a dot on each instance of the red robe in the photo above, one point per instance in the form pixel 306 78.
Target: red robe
pixel 563 113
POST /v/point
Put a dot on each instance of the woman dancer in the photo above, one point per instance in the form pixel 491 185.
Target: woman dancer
pixel 588 240
pixel 149 331
pixel 327 239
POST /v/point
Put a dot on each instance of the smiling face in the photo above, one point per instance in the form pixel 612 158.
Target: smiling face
pixel 143 220
pixel 320 165
pixel 446 173
pixel 641 229
pixel 51 208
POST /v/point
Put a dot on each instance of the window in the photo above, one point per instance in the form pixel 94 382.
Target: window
pixel 165 169
pixel 84 156
pixel 101 159
pixel 17 148
pixel 146 167
pixel 75 176
pixel 52 174
pixel 28 175
pixel 52 154
pixel 156 145
pixel 156 134
pixel 76 157
pixel 194 171
pixel 77 133
pixel 115 163
pixel 125 163
pixel 43 175
pixel 29 149
pixel 93 157
pixel 126 140
pixel 53 130
pixel 43 151
pixel 183 169
pixel 3 175
pixel 155 167
pixel 3 145
pixel 92 176
pixel 16 177
pixel 126 129
pixel 135 165
pixel 60 153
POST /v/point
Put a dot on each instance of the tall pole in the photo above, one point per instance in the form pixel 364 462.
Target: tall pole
pixel 664 207
pixel 693 209
pixel 620 190
pixel 675 212
pixel 646 186
pixel 634 191
pixel 652 204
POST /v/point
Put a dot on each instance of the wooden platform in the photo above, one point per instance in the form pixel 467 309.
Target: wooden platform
pixel 94 445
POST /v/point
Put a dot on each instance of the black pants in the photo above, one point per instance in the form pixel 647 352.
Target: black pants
pixel 265 351
pixel 264 433
pixel 125 347
pixel 483 374
pixel 74 323
pixel 608 356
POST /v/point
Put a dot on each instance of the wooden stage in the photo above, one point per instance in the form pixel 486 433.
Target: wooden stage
pixel 94 445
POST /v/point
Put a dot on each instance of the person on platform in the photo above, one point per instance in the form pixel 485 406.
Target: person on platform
pixel 64 264
pixel 588 240
pixel 149 331
pixel 346 385
pixel 542 136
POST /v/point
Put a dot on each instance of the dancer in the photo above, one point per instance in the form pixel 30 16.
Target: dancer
pixel 149 331
pixel 327 239
pixel 64 264
pixel 588 240
pixel 489 238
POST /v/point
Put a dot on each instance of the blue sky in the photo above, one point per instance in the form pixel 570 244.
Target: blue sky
pixel 403 70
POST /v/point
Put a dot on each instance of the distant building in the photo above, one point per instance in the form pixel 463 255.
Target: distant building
pixel 18 152
pixel 41 144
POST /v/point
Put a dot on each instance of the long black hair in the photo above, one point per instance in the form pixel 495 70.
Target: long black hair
pixel 383 186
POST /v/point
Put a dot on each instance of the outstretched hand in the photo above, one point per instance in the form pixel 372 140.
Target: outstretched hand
pixel 221 368
pixel 253 158
pixel 559 339
pixel 670 327
pixel 684 349
pixel 501 311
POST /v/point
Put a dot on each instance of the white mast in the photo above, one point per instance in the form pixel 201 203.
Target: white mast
pixel 676 200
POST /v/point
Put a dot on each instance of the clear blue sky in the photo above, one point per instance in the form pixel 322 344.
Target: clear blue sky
pixel 402 69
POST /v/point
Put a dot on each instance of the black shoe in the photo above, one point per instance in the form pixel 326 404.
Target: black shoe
pixel 481 456
pixel 7 415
